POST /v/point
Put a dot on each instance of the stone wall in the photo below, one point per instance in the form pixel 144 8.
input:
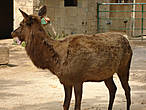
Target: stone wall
pixel 25 5
pixel 115 21
pixel 36 6
pixel 121 21
pixel 103 23
pixel 66 20
pixel 138 19
pixel 73 20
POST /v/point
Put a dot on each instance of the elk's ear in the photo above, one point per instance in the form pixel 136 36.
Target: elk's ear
pixel 42 11
pixel 24 14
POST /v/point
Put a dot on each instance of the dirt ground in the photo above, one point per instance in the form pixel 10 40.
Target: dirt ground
pixel 24 87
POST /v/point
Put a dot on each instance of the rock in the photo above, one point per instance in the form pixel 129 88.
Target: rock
pixel 4 55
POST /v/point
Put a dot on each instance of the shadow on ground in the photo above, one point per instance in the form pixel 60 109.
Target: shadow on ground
pixel 8 84
pixel 87 104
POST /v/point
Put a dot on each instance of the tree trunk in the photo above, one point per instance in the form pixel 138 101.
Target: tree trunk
pixel 4 55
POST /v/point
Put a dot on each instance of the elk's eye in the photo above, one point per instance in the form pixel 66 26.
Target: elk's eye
pixel 21 24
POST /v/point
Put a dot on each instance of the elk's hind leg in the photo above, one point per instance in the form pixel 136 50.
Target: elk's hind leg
pixel 124 81
pixel 112 91
pixel 124 78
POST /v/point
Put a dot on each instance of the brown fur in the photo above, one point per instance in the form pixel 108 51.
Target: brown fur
pixel 78 58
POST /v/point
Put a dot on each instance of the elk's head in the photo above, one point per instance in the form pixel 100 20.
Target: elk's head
pixel 29 23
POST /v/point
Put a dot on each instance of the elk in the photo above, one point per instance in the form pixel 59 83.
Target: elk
pixel 78 58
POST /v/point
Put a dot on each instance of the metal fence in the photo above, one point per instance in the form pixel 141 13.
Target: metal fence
pixel 123 17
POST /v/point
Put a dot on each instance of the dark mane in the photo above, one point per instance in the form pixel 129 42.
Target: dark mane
pixel 37 43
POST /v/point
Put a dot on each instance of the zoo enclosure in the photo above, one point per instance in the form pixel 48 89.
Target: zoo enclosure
pixel 122 17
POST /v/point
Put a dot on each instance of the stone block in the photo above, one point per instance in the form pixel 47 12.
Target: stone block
pixel 59 12
pixel 51 12
pixel 84 4
pixel 53 3
pixel 82 12
pixel 71 11
pixel 4 55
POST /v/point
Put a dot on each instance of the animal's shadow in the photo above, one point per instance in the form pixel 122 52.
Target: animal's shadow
pixel 87 104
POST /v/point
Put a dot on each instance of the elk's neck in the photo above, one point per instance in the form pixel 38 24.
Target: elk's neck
pixel 40 49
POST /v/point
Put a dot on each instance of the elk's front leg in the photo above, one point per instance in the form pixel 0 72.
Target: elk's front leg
pixel 68 94
pixel 78 95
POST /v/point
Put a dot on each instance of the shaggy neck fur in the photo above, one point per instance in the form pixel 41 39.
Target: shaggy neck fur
pixel 41 51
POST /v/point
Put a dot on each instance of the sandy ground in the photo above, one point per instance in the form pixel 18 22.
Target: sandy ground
pixel 24 87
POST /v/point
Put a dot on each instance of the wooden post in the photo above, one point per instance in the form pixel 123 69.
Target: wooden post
pixel 4 55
